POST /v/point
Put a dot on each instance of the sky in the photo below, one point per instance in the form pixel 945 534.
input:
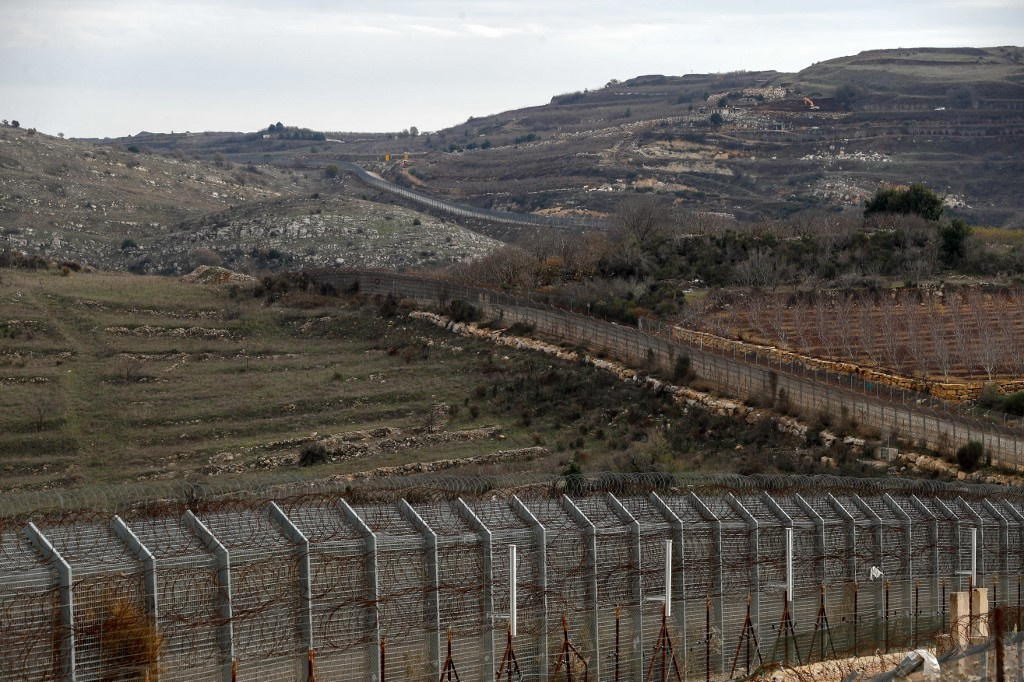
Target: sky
pixel 110 68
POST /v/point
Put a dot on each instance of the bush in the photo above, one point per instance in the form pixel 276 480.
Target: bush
pixel 970 456
pixel 312 454
pixel 681 373
pixel 461 311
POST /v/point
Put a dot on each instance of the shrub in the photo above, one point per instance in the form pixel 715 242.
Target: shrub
pixel 461 311
pixel 312 454
pixel 970 456
pixel 681 373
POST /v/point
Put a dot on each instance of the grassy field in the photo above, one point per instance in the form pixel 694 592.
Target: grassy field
pixel 112 378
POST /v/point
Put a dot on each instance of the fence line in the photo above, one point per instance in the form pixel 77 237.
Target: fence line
pixel 353 587
pixel 889 414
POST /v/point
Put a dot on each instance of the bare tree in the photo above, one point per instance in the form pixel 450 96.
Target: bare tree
pixel 799 314
pixel 867 328
pixel 989 349
pixel 845 310
pixel 889 323
pixel 913 324
pixel 942 349
pixel 641 226
pixel 824 327
pixel 760 269
pixel 963 339
pixel 1008 324
pixel 43 407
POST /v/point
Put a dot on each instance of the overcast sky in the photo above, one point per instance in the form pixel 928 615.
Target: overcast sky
pixel 116 67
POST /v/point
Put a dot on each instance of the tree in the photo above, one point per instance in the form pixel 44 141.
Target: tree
pixel 15 124
pixel 331 171
pixel 716 119
pixel 414 131
pixel 916 199
pixel 640 228
pixel 952 240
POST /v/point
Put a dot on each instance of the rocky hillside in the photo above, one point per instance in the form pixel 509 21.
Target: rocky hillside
pixel 124 208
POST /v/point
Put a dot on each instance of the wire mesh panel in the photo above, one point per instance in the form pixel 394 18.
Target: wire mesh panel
pixel 568 584
pixel 655 529
pixel 842 594
pixel 265 593
pixel 343 608
pixel 768 607
pixel 737 565
pixel 189 620
pixel 462 587
pixel 926 599
pixel 30 632
pixel 618 597
pixel 507 528
pixel 109 605
pixel 893 533
pixel 991 552
pixel 404 590
pixel 700 586
pixel 1015 560
pixel 807 557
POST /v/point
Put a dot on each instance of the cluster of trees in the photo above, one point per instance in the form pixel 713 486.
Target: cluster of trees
pixel 283 132
pixel 649 255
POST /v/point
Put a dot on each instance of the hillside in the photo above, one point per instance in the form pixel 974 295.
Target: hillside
pixel 110 378
pixel 951 118
pixel 129 209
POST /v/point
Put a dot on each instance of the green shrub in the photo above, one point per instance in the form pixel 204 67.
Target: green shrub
pixel 461 311
pixel 681 373
pixel 970 456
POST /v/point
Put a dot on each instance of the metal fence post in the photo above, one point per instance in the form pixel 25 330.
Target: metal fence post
pixel 373 587
pixel 67 598
pixel 301 542
pixel 540 536
pixel 223 558
pixel 590 534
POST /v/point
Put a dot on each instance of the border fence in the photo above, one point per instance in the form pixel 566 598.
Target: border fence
pixel 890 415
pixel 473 211
pixel 406 580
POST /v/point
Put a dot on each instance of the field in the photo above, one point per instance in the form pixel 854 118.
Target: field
pixel 937 334
pixel 113 378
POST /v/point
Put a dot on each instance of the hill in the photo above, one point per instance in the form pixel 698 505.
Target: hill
pixel 743 143
pixel 127 208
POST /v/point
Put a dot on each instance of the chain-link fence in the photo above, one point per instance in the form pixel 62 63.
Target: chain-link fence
pixel 368 581
pixel 845 401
